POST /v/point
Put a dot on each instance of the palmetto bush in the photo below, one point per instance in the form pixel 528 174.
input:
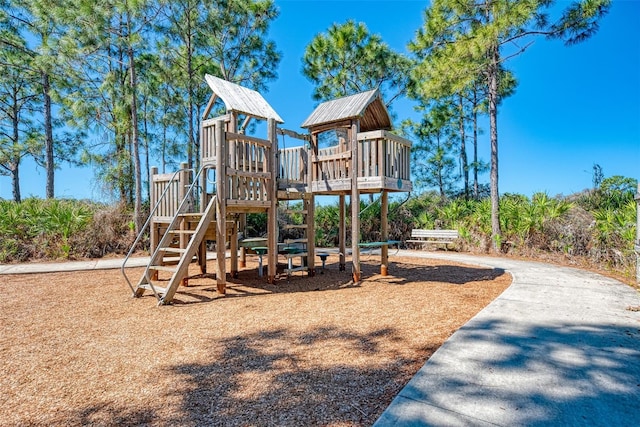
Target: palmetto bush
pixel 46 229
pixel 614 234
pixel 598 226
pixel 525 221
pixel 596 229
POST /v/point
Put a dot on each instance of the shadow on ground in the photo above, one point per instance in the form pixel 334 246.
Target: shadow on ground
pixel 279 378
pixel 248 283
pixel 560 373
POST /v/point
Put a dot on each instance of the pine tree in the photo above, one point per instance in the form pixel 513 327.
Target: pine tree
pixel 462 41
pixel 433 151
pixel 18 102
pixel 347 59
pixel 41 25
pixel 226 38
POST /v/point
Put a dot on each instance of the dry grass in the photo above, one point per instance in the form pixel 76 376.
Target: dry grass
pixel 77 349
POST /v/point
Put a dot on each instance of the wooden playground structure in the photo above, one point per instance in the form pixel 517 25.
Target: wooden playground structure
pixel 242 174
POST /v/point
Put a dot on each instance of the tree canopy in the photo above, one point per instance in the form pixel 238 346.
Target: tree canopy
pixel 463 42
pixel 348 59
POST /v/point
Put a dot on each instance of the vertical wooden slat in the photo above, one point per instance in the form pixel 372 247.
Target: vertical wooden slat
pixel 233 163
pixel 366 157
pixel 304 165
pixel 380 170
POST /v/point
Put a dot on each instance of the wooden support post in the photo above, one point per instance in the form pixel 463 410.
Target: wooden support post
pixel 233 247
pixel 221 208
pixel 314 173
pixel 154 237
pixel 154 227
pixel 342 233
pixel 311 234
pixel 384 250
pixel 272 213
pixel 355 205
pixel 204 199
pixel 183 185
pixel 242 225
pixel 232 147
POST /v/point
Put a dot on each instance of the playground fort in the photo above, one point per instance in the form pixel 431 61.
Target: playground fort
pixel 241 174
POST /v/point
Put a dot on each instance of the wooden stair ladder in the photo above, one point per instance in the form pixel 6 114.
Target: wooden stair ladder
pixel 303 241
pixel 185 255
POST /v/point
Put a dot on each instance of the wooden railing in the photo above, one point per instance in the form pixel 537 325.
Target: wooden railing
pixel 247 171
pixel 331 164
pixel 383 154
pixel 175 185
pixel 293 165
pixel 208 140
pixel 383 162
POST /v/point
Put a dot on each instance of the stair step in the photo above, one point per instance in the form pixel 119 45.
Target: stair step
pixel 296 211
pixel 174 259
pixel 190 215
pixel 159 289
pixel 181 231
pixel 292 226
pixel 163 268
pixel 173 250
pixel 290 241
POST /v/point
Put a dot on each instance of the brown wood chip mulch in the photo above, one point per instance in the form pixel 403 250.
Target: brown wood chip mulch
pixel 77 350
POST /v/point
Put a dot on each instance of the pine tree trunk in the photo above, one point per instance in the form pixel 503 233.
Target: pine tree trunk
pixel 15 161
pixel 15 182
pixel 191 150
pixel 475 145
pixel 463 148
pixel 496 233
pixel 48 132
pixel 146 151
pixel 137 209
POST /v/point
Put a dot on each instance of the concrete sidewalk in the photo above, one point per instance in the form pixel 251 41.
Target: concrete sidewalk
pixel 558 347
pixel 96 264
pixel 54 267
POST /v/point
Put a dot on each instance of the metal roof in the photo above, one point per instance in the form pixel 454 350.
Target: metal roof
pixel 241 99
pixel 367 106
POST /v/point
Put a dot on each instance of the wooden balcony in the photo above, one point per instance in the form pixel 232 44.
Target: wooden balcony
pixel 247 167
pixel 383 163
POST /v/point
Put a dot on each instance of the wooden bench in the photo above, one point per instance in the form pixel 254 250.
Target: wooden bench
pixel 442 237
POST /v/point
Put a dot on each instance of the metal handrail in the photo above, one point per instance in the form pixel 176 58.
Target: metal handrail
pixel 166 236
pixel 162 242
pixel 146 225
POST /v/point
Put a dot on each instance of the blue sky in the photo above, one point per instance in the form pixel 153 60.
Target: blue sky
pixel 574 106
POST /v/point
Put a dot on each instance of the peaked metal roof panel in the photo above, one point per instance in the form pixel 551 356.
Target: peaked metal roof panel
pixel 367 106
pixel 241 99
